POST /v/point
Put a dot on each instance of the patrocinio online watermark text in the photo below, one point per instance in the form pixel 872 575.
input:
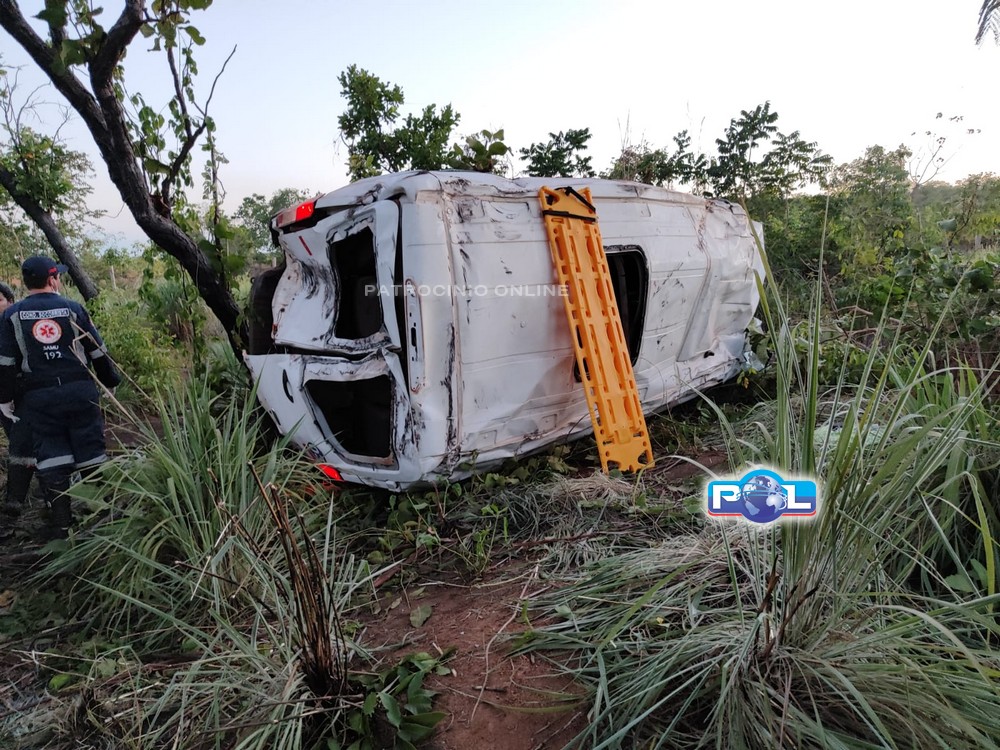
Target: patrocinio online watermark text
pixel 477 290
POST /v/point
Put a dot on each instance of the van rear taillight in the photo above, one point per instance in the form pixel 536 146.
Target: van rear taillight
pixel 330 472
pixel 295 214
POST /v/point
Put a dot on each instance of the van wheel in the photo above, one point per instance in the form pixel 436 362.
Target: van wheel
pixel 261 317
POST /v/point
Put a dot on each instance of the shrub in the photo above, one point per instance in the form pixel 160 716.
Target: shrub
pixel 137 345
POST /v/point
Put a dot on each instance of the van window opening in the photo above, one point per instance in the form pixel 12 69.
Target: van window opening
pixel 630 284
pixel 359 309
pixel 358 414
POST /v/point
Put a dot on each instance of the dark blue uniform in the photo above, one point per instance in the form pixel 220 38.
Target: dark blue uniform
pixel 47 346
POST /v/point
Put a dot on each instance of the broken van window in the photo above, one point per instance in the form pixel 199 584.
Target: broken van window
pixel 358 413
pixel 359 311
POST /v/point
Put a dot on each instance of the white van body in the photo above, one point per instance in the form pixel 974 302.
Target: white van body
pixel 416 331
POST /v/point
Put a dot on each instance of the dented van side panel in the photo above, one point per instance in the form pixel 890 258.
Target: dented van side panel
pixel 420 334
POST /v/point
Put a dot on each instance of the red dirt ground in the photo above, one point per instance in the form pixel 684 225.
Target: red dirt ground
pixel 493 700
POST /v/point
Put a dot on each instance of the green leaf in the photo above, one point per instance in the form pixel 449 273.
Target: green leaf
pixel 565 611
pixel 105 668
pixel 419 615
pixel 420 726
pixel 55 14
pixel 59 681
pixel 208 247
pixel 415 694
pixel 980 571
pixel 154 167
pixel 392 711
pixel 195 35
pixel 72 52
pixel 356 721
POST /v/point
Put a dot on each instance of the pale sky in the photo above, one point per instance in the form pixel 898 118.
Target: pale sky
pixel 847 75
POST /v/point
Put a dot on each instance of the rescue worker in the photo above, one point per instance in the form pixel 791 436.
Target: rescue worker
pixel 50 341
pixel 20 451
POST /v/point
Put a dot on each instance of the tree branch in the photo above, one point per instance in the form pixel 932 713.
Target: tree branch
pixel 179 92
pixel 103 113
pixel 175 167
pixel 50 229
pixel 211 92
pixel 114 43
pixel 14 23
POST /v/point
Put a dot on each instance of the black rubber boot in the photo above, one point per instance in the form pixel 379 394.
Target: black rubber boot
pixel 18 484
pixel 60 517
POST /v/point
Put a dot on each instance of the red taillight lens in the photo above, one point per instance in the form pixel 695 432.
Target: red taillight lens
pixel 304 210
pixel 331 472
pixel 295 214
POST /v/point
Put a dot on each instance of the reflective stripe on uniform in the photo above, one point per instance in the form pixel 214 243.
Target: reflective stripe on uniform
pixel 92 461
pixel 19 337
pixel 8 361
pixel 52 463
pixel 76 345
pixel 21 461
pixel 98 353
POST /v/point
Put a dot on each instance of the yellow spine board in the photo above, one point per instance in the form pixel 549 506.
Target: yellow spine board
pixel 598 339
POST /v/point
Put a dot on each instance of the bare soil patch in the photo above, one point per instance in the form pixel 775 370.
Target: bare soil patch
pixel 493 699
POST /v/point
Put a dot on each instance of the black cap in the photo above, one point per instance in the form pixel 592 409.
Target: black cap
pixel 39 268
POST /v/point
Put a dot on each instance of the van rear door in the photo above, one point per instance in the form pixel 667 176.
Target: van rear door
pixel 337 294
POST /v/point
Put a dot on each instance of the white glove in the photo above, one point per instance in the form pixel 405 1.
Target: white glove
pixel 8 411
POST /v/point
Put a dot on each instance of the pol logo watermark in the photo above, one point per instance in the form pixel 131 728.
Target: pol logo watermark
pixel 762 496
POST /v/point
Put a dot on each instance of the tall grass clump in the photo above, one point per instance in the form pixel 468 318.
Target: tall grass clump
pixel 175 515
pixel 276 675
pixel 848 631
pixel 226 595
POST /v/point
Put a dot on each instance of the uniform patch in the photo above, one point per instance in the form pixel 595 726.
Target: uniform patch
pixel 46 331
pixel 59 312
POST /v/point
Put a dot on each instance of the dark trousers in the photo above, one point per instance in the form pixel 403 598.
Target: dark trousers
pixel 68 430
pixel 20 461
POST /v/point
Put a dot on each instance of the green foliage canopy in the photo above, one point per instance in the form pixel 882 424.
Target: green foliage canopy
pixel 743 168
pixel 253 216
pixel 657 167
pixel 375 142
pixel 875 209
pixel 561 156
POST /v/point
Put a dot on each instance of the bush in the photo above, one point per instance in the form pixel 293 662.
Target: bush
pixel 204 552
pixel 137 344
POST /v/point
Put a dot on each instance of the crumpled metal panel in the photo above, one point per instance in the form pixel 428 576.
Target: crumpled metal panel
pixel 305 312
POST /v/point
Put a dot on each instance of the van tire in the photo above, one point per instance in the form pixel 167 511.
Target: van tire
pixel 261 317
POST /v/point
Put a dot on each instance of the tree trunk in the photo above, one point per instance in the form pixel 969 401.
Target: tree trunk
pixel 44 220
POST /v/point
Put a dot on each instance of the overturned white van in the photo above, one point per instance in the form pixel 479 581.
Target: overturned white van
pixel 416 331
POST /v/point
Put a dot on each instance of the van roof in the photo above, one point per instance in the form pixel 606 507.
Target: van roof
pixel 489 185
